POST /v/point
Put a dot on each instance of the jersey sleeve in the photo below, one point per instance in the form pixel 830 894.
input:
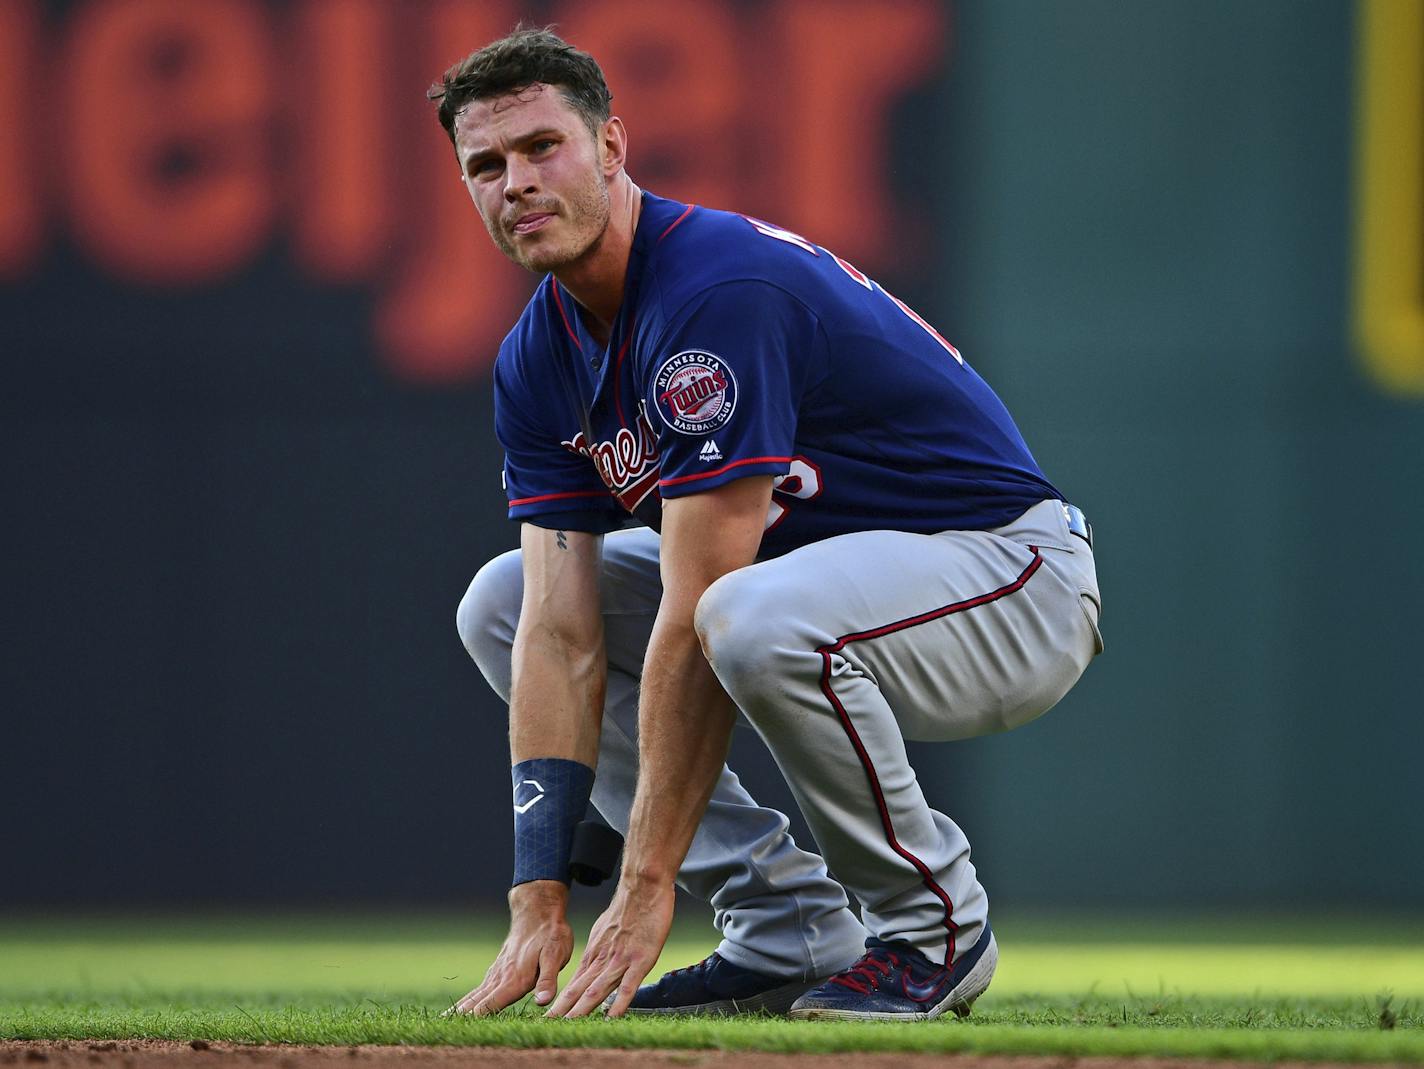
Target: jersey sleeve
pixel 725 383
pixel 547 484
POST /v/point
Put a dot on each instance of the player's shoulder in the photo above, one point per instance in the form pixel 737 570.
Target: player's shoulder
pixel 697 252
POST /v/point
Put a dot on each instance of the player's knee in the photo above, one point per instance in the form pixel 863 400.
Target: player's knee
pixel 742 629
pixel 489 611
pixel 714 619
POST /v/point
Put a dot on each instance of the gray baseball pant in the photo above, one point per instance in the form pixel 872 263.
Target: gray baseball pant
pixel 836 653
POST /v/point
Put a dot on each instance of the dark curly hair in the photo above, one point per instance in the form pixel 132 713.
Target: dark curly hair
pixel 520 60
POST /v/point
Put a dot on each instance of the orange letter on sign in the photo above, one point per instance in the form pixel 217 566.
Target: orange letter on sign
pixel 847 61
pixel 342 96
pixel 673 69
pixel 19 90
pixel 456 295
pixel 166 132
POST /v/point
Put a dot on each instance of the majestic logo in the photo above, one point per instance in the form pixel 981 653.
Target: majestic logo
pixel 538 794
pixel 709 450
pixel 695 392
pixel 628 465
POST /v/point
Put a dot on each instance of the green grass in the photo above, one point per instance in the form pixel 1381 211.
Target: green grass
pixel 1253 988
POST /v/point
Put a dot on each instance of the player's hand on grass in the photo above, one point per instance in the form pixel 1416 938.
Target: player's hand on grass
pixel 539 944
pixel 622 948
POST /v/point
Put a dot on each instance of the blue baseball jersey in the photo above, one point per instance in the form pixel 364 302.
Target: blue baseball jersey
pixel 743 349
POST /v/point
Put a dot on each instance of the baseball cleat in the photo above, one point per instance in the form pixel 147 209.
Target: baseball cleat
pixel 896 982
pixel 714 986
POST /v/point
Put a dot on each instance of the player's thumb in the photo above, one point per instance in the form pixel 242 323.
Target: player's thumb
pixel 547 985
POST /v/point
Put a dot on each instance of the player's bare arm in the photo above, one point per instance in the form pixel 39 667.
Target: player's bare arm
pixel 555 712
pixel 685 724
pixel 556 707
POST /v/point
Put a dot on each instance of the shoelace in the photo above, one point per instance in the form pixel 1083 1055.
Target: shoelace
pixel 864 974
pixel 705 963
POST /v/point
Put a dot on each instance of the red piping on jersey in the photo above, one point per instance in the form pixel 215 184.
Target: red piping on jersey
pixel 724 468
pixel 557 497
pixel 673 225
pixel 879 632
pixel 565 317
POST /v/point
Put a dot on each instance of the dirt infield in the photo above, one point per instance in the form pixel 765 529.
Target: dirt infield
pixel 154 1054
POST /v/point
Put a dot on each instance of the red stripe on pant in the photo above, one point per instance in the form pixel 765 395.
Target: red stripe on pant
pixel 869 766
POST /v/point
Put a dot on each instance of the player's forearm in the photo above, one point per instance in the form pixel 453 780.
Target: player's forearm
pixel 559 665
pixel 684 726
pixel 556 700
pixel 555 710
pixel 685 718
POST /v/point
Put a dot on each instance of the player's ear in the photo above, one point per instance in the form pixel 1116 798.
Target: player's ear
pixel 613 146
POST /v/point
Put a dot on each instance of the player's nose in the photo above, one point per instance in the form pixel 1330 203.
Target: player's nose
pixel 520 180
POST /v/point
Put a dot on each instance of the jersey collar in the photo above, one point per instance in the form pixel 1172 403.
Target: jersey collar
pixel 655 221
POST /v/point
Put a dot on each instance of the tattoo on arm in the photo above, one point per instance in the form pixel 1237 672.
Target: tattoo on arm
pixel 563 539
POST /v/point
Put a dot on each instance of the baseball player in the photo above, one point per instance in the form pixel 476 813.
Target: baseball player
pixel 748 480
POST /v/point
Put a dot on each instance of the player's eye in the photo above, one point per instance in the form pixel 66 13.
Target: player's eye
pixel 483 167
pixel 544 144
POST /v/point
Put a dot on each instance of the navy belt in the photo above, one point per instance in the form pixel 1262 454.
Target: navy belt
pixel 1078 523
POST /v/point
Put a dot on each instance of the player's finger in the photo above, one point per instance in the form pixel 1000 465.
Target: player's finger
pixel 494 975
pixel 489 1003
pixel 476 1003
pixel 565 999
pixel 486 1006
pixel 582 977
pixel 623 997
pixel 588 967
pixel 509 991
pixel 548 984
pixel 468 1003
pixel 597 991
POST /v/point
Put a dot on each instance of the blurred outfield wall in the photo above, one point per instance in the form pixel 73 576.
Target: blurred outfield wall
pixel 247 317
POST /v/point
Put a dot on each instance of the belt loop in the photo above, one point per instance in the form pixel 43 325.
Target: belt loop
pixel 1078 523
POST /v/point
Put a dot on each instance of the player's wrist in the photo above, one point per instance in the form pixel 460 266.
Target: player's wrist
pixel 647 877
pixel 539 898
pixel 550 797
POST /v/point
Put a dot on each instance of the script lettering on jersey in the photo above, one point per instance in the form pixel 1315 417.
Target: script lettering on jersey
pixel 695 391
pixel 686 398
pixel 629 465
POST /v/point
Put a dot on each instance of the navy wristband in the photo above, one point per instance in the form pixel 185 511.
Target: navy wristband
pixel 550 798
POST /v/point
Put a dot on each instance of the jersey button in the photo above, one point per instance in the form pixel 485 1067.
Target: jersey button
pixel 596 362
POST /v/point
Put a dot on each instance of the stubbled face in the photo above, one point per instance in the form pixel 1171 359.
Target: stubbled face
pixel 536 174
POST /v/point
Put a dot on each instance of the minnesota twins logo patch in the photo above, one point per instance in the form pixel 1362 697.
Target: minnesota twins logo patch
pixel 695 392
